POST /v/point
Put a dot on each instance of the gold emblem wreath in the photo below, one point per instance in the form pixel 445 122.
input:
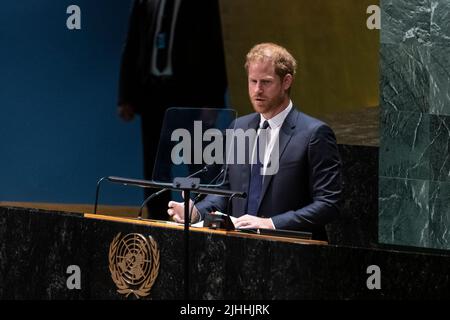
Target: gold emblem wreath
pixel 125 286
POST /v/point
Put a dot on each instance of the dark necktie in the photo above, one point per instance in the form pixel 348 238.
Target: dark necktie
pixel 164 34
pixel 256 179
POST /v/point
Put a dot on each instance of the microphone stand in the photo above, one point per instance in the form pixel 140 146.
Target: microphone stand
pixel 229 202
pixel 96 193
pixel 179 184
pixel 187 185
pixel 156 194
pixel 150 197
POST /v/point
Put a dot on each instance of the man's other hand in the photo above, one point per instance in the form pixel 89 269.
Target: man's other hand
pixel 176 212
pixel 251 222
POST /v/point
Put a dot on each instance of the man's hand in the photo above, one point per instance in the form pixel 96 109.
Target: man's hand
pixel 251 222
pixel 176 211
pixel 126 112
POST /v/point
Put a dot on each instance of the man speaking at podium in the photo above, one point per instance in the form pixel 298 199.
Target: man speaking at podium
pixel 304 193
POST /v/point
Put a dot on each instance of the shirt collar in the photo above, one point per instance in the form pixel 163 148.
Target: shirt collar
pixel 278 120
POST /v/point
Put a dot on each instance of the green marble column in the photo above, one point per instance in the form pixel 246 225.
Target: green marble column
pixel 414 196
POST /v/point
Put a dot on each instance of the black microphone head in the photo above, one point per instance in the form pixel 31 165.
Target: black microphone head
pixel 202 170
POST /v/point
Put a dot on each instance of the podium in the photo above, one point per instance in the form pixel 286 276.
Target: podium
pixel 39 250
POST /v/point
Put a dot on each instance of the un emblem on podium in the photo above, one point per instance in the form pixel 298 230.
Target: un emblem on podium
pixel 134 264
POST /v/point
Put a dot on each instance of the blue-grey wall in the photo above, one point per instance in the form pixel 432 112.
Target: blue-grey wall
pixel 414 180
pixel 59 131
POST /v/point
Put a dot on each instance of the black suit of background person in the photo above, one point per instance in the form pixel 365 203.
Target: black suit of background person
pixel 151 80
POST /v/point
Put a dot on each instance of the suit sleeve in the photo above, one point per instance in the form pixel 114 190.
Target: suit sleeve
pixel 325 185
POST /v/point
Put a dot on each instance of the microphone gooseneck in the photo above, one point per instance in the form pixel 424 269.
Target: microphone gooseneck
pixel 214 180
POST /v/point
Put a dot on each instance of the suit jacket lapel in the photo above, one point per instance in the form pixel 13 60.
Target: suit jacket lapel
pixel 285 135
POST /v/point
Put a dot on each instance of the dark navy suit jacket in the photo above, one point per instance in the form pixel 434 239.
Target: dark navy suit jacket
pixel 305 193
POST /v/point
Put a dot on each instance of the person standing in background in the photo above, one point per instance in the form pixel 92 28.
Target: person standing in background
pixel 169 45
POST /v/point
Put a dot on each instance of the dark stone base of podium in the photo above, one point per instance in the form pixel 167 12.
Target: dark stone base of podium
pixel 37 247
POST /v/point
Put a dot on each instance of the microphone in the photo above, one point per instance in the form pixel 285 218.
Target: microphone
pixel 156 194
pixel 244 195
pixel 209 184
pixel 197 198
pixel 124 181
